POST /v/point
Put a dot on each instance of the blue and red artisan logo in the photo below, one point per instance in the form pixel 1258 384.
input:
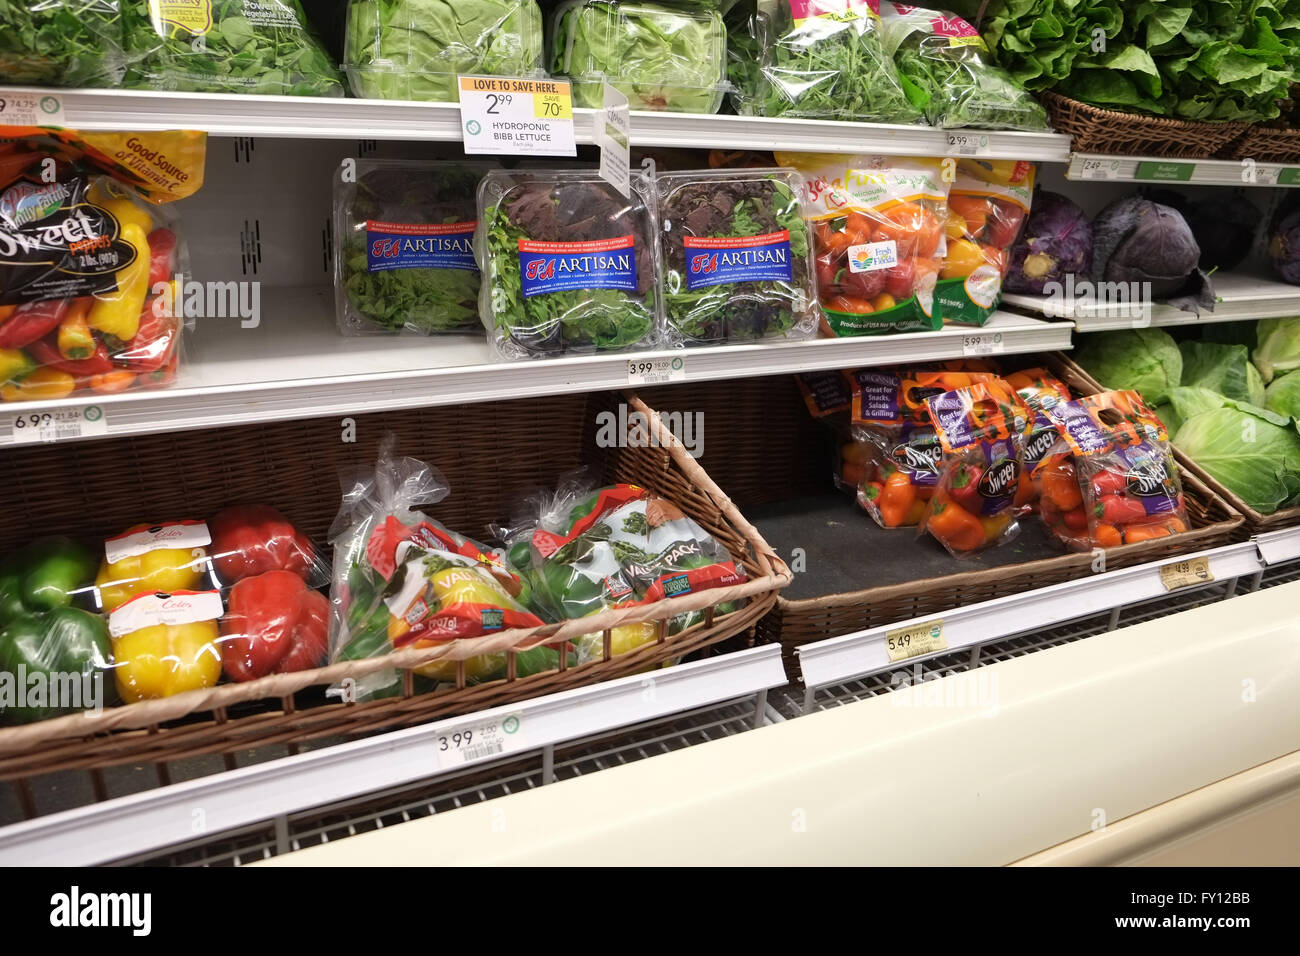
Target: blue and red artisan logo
pixel 740 259
pixel 397 245
pixel 594 264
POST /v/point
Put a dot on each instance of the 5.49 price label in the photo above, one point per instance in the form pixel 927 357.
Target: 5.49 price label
pixel 29 428
pixel 915 640
pixel 466 742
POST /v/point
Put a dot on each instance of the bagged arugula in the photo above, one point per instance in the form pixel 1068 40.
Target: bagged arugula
pixel 615 547
pixel 414 49
pixel 943 65
pixel 821 59
pixel 226 46
pixel 735 251
pixel 568 263
pixel 661 57
pixel 403 247
pixel 61 42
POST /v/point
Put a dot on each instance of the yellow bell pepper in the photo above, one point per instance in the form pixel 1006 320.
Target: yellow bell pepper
pixel 14 364
pixel 165 569
pixel 75 339
pixel 123 210
pixel 118 313
pixel 165 659
pixel 42 384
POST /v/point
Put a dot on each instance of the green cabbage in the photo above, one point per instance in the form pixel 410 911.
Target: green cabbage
pixel 1225 369
pixel 1257 460
pixel 1188 401
pixel 414 49
pixel 1278 348
pixel 1283 395
pixel 1147 360
pixel 660 57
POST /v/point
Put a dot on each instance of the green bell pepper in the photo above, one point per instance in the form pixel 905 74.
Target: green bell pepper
pixel 48 573
pixel 43 659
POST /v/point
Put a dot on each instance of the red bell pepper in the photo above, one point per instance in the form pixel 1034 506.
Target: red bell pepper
pixel 964 487
pixel 162 256
pixel 153 342
pixel 163 376
pixel 274 624
pixel 1109 483
pixel 1119 510
pixel 248 540
pixel 32 321
pixel 46 353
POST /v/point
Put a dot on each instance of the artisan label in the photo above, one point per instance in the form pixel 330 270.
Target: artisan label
pixel 179 607
pixel 712 262
pixel 395 245
pixel 561 266
pixel 871 256
pixel 182 535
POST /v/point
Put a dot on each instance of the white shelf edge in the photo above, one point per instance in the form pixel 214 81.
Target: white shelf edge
pixel 139 412
pixel 1207 172
pixel 851 656
pixel 131 825
pixel 325 118
pixel 1278 547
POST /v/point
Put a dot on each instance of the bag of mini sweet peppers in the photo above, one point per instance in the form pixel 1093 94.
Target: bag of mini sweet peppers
pixel 614 547
pixel 1127 482
pixel 980 428
pixel 50 632
pixel 1039 390
pixel 903 453
pixel 403 580
pixel 878 239
pixel 87 272
pixel 987 207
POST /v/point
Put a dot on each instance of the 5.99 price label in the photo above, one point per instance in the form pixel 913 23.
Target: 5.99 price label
pixel 29 428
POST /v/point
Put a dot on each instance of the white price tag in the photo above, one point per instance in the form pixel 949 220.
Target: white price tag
pixel 969 144
pixel 613 136
pixel 27 428
pixel 656 371
pixel 31 109
pixel 1099 169
pixel 476 741
pixel 517 117
pixel 982 343
pixel 1266 175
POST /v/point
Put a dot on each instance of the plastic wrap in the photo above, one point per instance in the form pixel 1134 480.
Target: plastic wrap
pixel 403 580
pixel 404 248
pixel 878 239
pixel 415 49
pixel 1128 484
pixel 62 43
pixel 589 550
pixel 1039 390
pixel 736 256
pixel 87 290
pixel 226 46
pixel 981 428
pixel 948 72
pixel 987 207
pixel 165 643
pixel 568 263
pixel 274 624
pixel 660 56
pixel 818 59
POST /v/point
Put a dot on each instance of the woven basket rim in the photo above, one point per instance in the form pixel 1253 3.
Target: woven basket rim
pixel 1144 119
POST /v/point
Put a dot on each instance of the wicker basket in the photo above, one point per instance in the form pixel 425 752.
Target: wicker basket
pixel 490 454
pixel 1253 521
pixel 1266 145
pixel 1096 130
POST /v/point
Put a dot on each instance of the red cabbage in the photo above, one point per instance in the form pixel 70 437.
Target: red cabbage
pixel 1056 243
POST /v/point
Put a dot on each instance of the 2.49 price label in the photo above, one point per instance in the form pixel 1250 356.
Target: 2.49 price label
pixel 463 743
pixel 29 428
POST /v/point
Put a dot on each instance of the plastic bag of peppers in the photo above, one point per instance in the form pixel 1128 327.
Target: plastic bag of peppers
pixel 1039 390
pixel 1111 478
pixel 86 281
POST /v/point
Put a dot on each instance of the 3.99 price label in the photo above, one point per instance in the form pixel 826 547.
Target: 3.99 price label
pixel 656 371
pixel 915 640
pixel 467 742
pixel 29 428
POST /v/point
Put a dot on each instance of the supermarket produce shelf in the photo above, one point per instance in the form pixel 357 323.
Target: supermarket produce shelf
pixel 1185 172
pixel 1240 297
pixel 864 652
pixel 324 118
pixel 295 364
pixel 1279 547
pixel 131 825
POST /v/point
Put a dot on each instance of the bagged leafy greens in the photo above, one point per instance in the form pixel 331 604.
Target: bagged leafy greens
pixel 61 42
pixel 735 255
pixel 414 49
pixel 947 73
pixel 226 46
pixel 821 59
pixel 403 247
pixel 568 263
pixel 660 56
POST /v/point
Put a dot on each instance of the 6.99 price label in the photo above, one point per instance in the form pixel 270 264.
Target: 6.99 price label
pixel 29 428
